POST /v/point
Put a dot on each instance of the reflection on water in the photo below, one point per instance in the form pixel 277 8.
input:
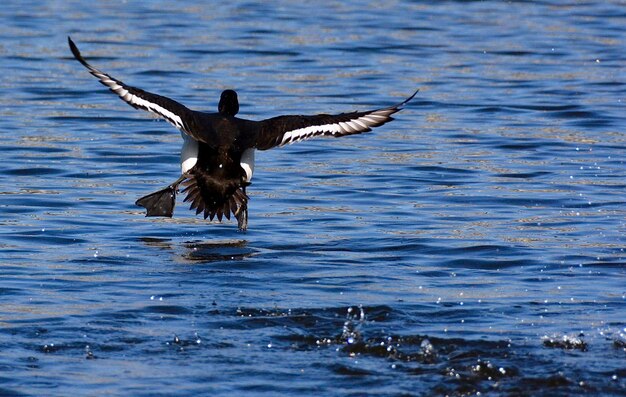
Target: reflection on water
pixel 202 251
pixel 218 251
pixel 474 245
pixel 160 243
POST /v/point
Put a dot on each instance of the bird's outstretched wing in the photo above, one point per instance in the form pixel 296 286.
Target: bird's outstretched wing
pixel 283 130
pixel 172 111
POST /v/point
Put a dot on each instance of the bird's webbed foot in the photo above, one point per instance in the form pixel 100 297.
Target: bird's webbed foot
pixel 162 202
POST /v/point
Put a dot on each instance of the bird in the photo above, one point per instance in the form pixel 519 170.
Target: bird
pixel 218 151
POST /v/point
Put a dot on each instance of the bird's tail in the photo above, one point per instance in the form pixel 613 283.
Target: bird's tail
pixel 214 199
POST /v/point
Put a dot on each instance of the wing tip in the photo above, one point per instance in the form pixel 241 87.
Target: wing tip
pixel 76 52
pixel 401 104
pixel 73 47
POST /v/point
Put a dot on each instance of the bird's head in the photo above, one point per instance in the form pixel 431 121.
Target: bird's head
pixel 229 105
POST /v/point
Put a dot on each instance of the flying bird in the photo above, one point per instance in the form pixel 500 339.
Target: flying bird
pixel 217 157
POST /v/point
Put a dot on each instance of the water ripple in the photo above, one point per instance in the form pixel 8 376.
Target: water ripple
pixel 474 245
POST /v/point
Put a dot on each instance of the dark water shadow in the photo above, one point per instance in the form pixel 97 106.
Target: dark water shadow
pixel 216 251
pixel 203 251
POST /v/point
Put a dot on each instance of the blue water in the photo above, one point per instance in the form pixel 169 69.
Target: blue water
pixel 474 245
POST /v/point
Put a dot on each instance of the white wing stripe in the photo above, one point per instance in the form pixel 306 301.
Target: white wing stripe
pixel 117 87
pixel 344 127
pixel 384 112
pixel 368 120
pixel 361 124
pixel 354 126
pixel 174 119
pixel 171 117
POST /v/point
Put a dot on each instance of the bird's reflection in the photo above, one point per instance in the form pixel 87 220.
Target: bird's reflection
pixel 203 251
pixel 155 242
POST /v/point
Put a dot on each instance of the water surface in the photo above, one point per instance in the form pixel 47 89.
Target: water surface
pixel 474 245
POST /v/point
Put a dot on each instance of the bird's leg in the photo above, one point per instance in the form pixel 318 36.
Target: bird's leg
pixel 242 214
pixel 161 203
pixel 242 218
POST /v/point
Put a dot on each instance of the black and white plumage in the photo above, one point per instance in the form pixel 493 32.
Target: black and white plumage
pixel 217 158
